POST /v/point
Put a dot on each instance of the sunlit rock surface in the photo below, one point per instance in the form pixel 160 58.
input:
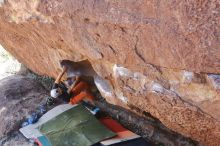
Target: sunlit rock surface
pixel 9 65
pixel 159 56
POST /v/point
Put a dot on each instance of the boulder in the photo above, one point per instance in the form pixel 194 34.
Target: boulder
pixel 161 57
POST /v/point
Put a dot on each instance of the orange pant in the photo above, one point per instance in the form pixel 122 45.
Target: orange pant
pixel 81 91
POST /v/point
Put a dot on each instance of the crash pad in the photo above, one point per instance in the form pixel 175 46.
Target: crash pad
pixel 42 141
pixel 31 131
pixel 134 142
pixel 75 127
pixel 123 134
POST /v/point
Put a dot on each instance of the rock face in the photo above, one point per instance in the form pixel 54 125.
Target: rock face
pixel 19 97
pixel 161 57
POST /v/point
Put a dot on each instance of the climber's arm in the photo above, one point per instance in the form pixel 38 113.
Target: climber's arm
pixel 57 81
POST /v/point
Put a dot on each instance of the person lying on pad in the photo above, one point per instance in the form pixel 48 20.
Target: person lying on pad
pixel 72 94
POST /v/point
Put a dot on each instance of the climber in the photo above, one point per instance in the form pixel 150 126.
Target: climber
pixel 72 92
